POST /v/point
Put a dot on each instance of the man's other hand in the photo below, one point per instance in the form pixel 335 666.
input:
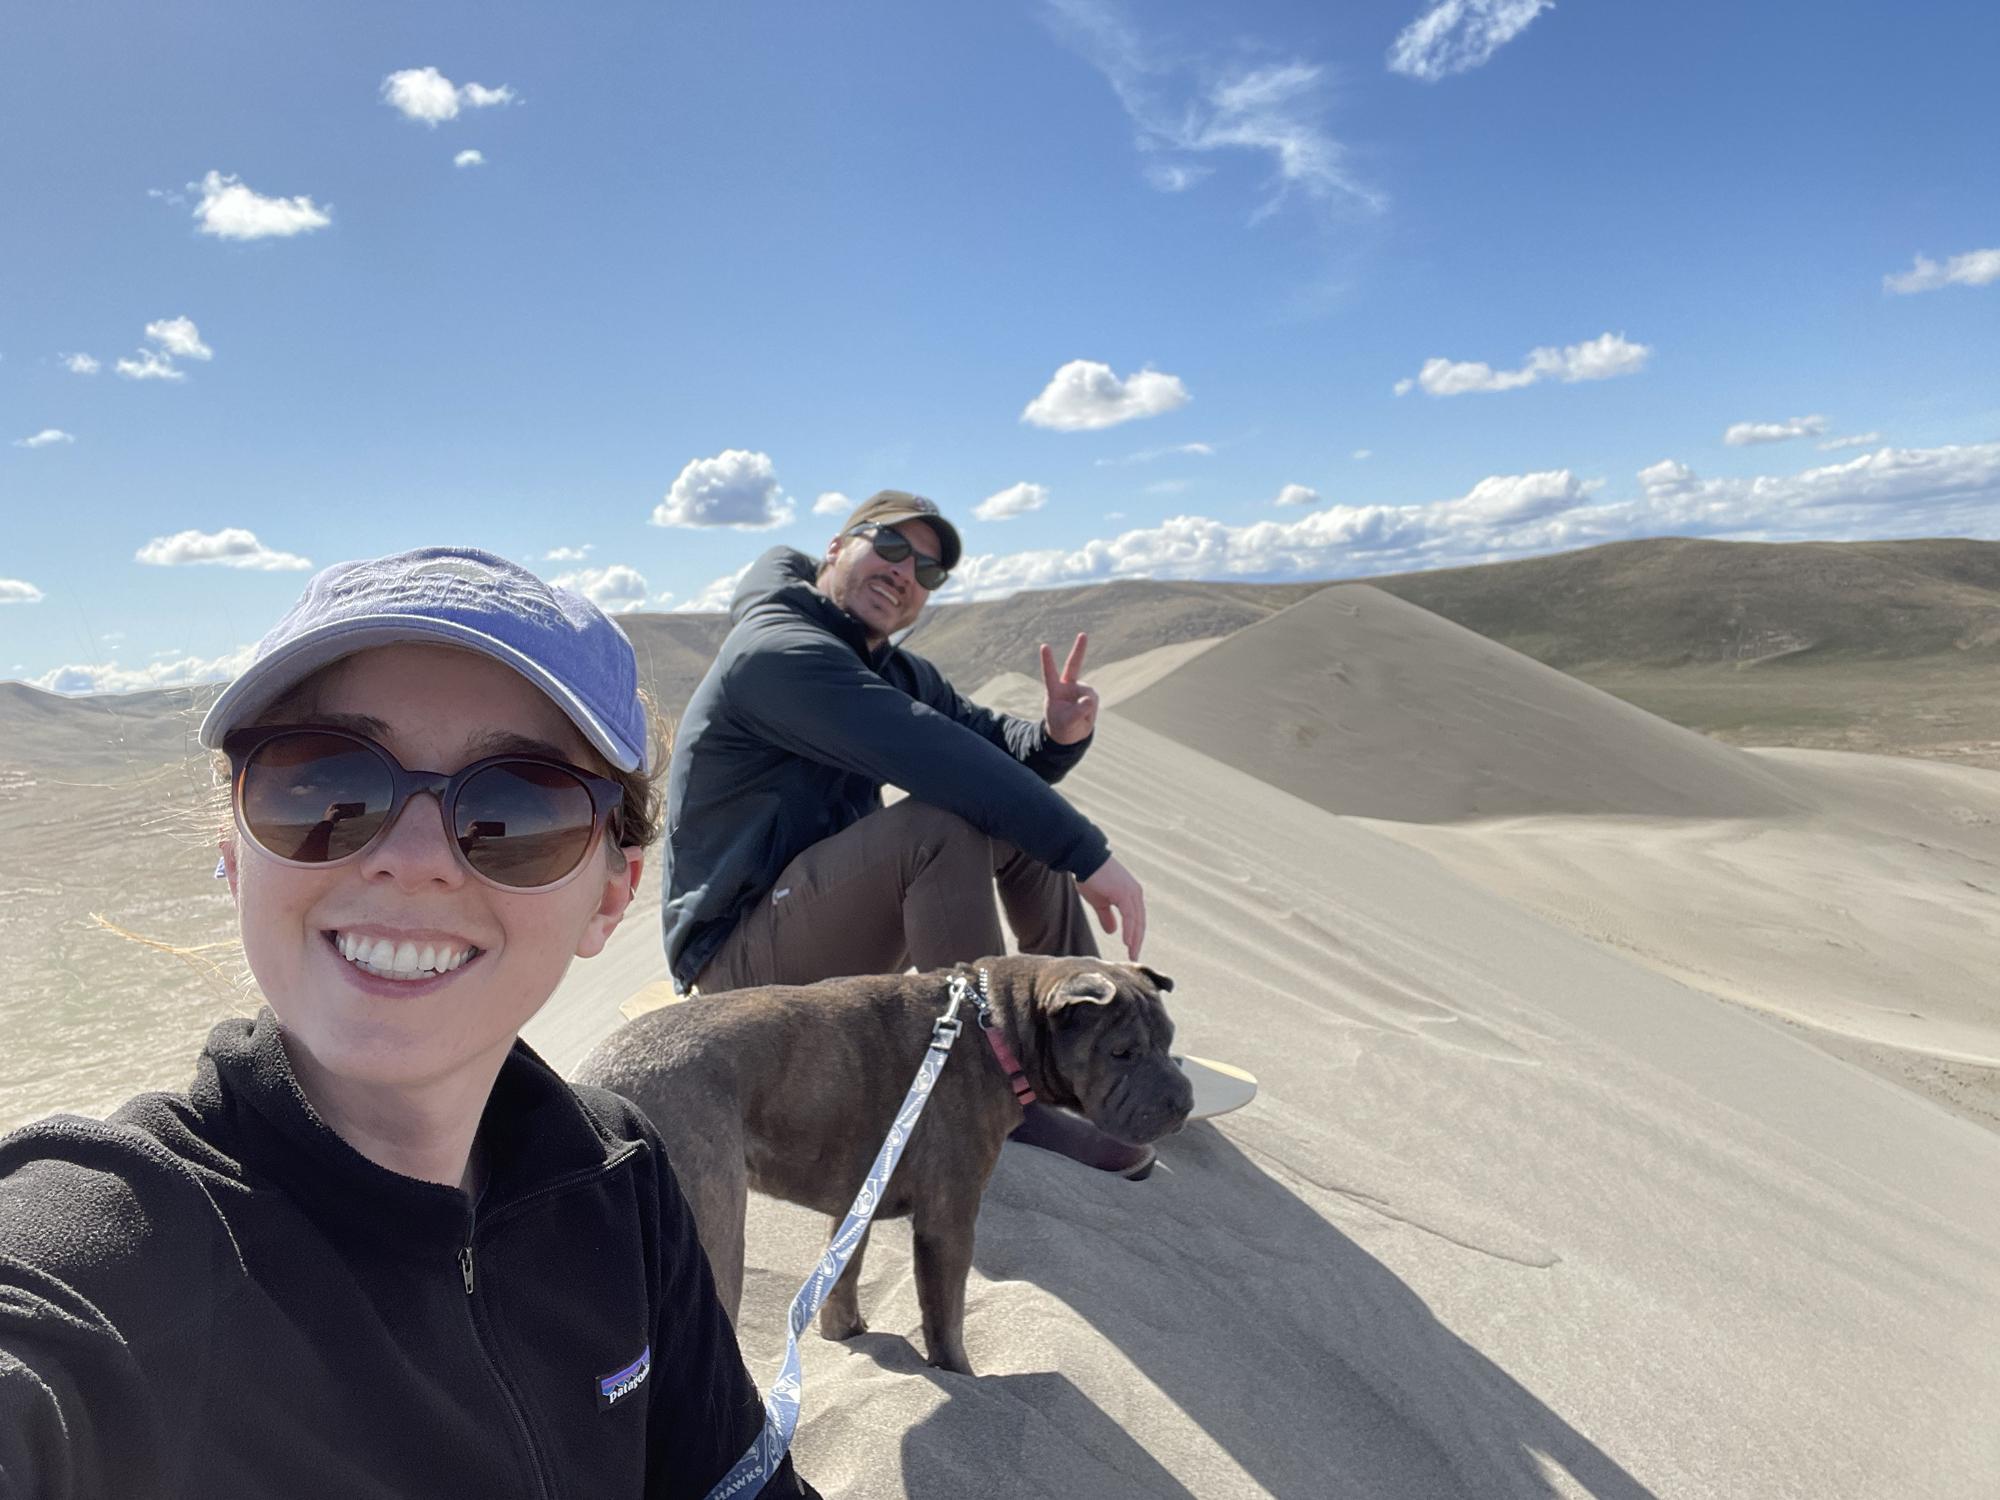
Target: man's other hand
pixel 1072 707
pixel 1114 893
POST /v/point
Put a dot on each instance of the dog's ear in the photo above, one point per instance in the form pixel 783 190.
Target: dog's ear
pixel 1087 988
pixel 1160 981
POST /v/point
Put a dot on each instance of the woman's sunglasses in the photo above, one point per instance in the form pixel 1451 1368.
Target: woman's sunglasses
pixel 312 796
pixel 892 547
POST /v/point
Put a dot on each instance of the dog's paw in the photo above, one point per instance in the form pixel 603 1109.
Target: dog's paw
pixel 840 1329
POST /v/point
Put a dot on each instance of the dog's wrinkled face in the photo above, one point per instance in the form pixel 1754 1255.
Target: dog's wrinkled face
pixel 1109 1038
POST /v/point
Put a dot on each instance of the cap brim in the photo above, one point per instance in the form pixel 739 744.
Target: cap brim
pixel 271 677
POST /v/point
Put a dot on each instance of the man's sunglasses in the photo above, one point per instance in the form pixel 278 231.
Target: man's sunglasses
pixel 312 796
pixel 892 547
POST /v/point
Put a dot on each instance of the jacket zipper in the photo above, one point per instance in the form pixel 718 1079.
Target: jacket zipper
pixel 544 1486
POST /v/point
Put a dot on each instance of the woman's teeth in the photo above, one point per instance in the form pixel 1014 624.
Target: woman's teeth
pixel 390 960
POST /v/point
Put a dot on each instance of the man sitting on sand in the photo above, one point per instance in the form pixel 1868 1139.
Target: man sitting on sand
pixel 782 865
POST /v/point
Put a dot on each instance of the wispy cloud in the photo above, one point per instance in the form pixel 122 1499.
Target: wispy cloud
pixel 176 337
pixel 469 159
pixel 427 96
pixel 1852 440
pixel 1455 36
pixel 110 677
pixel 19 591
pixel 569 554
pixel 1084 394
pixel 47 437
pixel 1297 494
pixel 1147 455
pixel 1183 109
pixel 832 503
pixel 1015 500
pixel 716 596
pixel 179 338
pixel 1974 268
pixel 617 589
pixel 735 488
pixel 1745 434
pixel 79 364
pixel 232 211
pixel 231 547
pixel 1600 358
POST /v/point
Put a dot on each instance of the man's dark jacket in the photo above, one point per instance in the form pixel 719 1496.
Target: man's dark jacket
pixel 791 735
pixel 213 1294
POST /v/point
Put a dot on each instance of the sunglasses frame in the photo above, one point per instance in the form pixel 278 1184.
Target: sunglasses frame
pixel 873 529
pixel 607 797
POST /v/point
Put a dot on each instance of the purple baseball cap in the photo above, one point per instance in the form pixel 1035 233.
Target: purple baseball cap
pixel 453 596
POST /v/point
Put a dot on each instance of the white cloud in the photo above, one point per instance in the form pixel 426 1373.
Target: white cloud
pixel 1084 394
pixel 19 591
pixel 109 677
pixel 734 488
pixel 1947 491
pixel 1404 386
pixel 150 364
pixel 469 159
pixel 1363 453
pixel 1600 358
pixel 716 597
pixel 1186 109
pixel 1974 268
pixel 1852 440
pixel 44 438
pixel 79 364
pixel 231 547
pixel 1745 434
pixel 1015 500
pixel 569 554
pixel 1455 36
pixel 232 211
pixel 616 590
pixel 832 503
pixel 1147 455
pixel 179 338
pixel 1297 494
pixel 426 95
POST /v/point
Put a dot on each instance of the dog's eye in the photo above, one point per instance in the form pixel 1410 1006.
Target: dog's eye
pixel 1121 1053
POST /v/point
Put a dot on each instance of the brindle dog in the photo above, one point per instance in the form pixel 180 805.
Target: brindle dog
pixel 790 1090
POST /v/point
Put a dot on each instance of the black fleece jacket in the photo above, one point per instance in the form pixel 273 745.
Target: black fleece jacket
pixel 212 1294
pixel 791 735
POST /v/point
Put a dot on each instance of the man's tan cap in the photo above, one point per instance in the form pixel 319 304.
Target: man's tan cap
pixel 887 507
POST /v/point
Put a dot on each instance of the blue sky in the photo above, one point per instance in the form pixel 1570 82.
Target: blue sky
pixel 1131 288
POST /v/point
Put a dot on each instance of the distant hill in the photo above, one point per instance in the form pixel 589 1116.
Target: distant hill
pixel 1674 601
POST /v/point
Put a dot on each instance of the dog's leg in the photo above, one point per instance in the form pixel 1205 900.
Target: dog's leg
pixel 943 1244
pixel 840 1315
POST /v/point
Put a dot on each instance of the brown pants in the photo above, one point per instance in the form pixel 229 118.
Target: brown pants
pixel 910 885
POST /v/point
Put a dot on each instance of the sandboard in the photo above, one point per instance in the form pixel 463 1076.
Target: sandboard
pixel 1219 1087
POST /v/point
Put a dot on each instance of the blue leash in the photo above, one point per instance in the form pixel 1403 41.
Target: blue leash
pixel 781 1407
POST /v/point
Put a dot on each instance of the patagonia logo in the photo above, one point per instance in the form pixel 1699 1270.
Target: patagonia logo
pixel 613 1388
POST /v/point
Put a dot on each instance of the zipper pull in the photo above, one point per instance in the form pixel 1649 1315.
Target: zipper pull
pixel 465 1266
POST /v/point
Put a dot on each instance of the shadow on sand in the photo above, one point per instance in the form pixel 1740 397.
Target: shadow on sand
pixel 1312 1367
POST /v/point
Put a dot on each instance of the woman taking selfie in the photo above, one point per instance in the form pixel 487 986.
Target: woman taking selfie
pixel 378 1247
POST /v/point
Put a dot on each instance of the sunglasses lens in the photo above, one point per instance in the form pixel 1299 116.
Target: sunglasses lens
pixel 524 825
pixel 890 546
pixel 312 798
pixel 932 575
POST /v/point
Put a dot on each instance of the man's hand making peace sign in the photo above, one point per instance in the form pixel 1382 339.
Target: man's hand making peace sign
pixel 1072 708
pixel 1111 890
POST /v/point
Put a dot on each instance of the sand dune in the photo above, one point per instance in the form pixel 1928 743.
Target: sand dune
pixel 1361 703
